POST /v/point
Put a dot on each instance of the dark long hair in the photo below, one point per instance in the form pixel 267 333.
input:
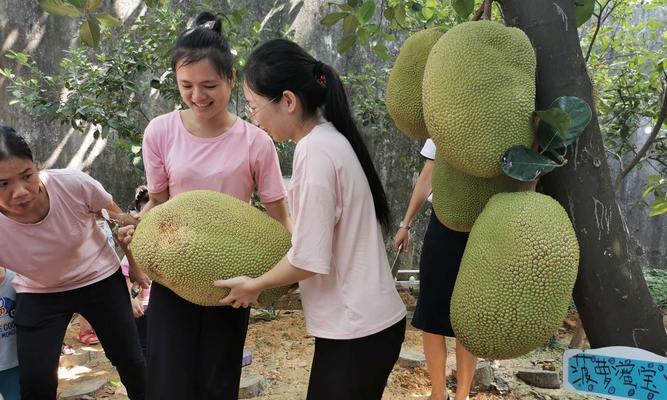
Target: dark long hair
pixel 13 145
pixel 279 65
pixel 205 40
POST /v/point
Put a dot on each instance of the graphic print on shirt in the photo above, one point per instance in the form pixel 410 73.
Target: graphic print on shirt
pixel 7 312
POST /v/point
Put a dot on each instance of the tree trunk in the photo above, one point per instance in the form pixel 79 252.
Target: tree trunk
pixel 610 293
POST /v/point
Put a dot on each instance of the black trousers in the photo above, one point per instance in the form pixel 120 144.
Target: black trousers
pixel 41 321
pixel 194 352
pixel 355 369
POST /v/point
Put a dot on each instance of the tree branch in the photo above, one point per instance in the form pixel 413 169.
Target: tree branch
pixel 478 13
pixel 486 14
pixel 647 145
pixel 597 29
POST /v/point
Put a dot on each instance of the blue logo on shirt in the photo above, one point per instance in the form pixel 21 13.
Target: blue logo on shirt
pixel 7 307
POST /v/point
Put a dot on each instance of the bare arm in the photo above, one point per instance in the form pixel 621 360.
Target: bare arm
pixel 278 211
pixel 419 195
pixel 244 291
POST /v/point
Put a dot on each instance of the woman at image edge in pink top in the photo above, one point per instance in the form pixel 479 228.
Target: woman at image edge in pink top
pixel 350 303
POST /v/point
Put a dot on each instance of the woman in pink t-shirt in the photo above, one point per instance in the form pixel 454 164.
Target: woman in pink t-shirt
pixel 198 350
pixel 338 256
pixel 63 265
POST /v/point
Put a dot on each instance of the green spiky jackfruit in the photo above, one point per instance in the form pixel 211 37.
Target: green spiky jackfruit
pixel 404 90
pixel 199 236
pixel 459 198
pixel 479 95
pixel 516 276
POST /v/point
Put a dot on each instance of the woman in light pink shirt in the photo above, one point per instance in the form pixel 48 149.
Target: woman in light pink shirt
pixel 338 256
pixel 63 265
pixel 198 350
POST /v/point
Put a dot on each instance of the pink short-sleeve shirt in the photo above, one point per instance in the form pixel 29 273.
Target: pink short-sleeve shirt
pixel 65 250
pixel 336 234
pixel 236 162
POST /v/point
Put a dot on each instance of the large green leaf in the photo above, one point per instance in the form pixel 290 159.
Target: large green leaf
pixel 524 164
pixel 366 11
pixel 332 18
pixel 346 44
pixel 583 10
pixel 109 20
pixel 91 5
pixel 463 7
pixel 555 117
pixel 579 114
pixel 381 51
pixel 59 8
pixel 350 24
pixel 90 32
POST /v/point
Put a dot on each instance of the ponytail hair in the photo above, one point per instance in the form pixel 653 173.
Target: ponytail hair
pixel 204 40
pixel 13 145
pixel 279 65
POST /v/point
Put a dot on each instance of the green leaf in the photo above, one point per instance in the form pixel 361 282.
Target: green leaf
pixel 366 11
pixel 135 149
pixel 658 207
pixel 427 12
pixel 331 19
pixel 76 3
pixel 346 44
pixel 579 114
pixel 463 8
pixel 59 8
pixel 362 36
pixel 91 5
pixel 583 10
pixel 352 3
pixel 108 20
pixel 90 32
pixel 555 117
pixel 350 24
pixel 105 131
pixel 381 51
pixel 151 3
pixel 388 13
pixel 138 163
pixel 524 164
pixel 399 14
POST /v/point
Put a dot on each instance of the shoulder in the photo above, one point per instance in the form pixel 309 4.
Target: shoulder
pixel 254 134
pixel 162 124
pixel 68 178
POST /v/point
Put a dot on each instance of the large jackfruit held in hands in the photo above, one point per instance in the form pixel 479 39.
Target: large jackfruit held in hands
pixel 197 237
pixel 404 87
pixel 479 95
pixel 516 276
pixel 459 198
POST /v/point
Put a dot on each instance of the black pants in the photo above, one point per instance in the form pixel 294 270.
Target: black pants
pixel 194 352
pixel 41 322
pixel 355 369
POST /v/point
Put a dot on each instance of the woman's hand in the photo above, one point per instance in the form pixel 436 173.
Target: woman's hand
pixel 137 308
pixel 402 238
pixel 243 291
pixel 124 234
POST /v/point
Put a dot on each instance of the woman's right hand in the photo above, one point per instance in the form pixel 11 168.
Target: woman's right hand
pixel 402 237
pixel 124 234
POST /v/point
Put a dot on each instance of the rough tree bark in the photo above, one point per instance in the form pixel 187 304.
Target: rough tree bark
pixel 611 294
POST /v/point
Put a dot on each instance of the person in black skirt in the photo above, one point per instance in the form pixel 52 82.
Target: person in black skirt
pixel 439 265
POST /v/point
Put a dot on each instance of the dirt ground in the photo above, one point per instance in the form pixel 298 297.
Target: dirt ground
pixel 282 352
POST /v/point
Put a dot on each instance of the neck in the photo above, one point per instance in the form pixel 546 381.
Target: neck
pixel 210 127
pixel 308 125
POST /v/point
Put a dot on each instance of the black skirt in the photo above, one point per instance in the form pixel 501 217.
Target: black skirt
pixel 439 265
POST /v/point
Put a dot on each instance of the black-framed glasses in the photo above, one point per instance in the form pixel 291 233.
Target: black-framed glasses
pixel 249 112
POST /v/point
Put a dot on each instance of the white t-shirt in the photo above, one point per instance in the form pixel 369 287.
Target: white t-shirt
pixel 428 151
pixel 336 234
pixel 8 357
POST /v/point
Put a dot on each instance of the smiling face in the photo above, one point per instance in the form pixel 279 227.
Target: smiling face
pixel 204 91
pixel 269 115
pixel 19 186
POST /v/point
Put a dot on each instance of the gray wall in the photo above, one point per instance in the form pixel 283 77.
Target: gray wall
pixel 23 27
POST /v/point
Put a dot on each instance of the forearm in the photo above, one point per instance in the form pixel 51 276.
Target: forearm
pixel 420 193
pixel 283 274
pixel 278 211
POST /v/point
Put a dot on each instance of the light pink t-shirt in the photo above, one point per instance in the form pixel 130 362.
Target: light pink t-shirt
pixel 336 234
pixel 66 250
pixel 234 162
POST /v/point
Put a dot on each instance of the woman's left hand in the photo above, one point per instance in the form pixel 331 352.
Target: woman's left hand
pixel 242 291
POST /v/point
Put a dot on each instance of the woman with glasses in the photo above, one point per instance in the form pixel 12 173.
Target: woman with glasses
pixel 195 352
pixel 338 256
